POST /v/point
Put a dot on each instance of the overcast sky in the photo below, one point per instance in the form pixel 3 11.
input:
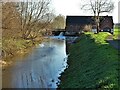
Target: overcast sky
pixel 119 12
pixel 72 7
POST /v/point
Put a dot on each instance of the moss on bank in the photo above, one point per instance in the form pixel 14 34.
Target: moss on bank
pixel 93 63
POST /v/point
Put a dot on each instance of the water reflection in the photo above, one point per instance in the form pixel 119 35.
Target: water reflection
pixel 40 69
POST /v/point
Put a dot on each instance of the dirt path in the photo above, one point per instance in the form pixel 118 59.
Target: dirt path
pixel 114 43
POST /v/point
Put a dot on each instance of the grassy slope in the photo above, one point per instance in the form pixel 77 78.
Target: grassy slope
pixel 116 33
pixel 17 46
pixel 92 64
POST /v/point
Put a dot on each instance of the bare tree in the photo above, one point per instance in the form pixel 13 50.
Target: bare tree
pixel 33 13
pixel 10 28
pixel 10 20
pixel 97 7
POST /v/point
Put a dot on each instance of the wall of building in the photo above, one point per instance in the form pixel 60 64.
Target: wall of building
pixel 106 23
pixel 78 28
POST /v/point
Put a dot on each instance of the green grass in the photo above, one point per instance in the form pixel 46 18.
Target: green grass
pixel 116 33
pixel 93 63
pixel 100 37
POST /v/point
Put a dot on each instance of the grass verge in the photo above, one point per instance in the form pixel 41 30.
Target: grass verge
pixel 116 33
pixel 93 63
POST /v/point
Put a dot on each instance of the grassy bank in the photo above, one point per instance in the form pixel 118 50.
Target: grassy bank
pixel 13 48
pixel 116 33
pixel 93 63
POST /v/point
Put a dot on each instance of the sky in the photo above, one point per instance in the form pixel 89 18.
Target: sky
pixel 119 12
pixel 72 7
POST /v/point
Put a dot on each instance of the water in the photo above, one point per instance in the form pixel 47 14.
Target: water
pixel 40 69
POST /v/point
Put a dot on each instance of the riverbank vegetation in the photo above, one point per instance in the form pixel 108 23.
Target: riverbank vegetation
pixel 93 63
pixel 24 25
pixel 19 30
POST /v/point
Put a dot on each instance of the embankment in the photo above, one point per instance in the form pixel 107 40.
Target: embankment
pixel 93 63
pixel 12 48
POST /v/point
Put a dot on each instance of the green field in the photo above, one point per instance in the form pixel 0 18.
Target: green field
pixel 93 63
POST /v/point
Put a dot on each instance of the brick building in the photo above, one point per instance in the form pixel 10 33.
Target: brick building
pixel 78 24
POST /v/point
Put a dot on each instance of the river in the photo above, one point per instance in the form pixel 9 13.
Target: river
pixel 40 69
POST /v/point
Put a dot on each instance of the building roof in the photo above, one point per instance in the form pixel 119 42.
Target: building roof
pixel 82 20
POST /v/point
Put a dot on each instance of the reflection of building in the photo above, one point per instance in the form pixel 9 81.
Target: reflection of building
pixel 87 23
